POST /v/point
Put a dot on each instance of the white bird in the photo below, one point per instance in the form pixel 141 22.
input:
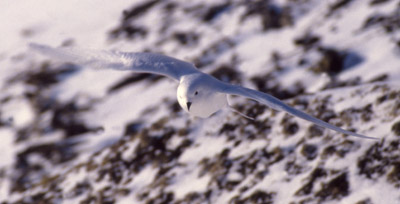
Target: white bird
pixel 198 93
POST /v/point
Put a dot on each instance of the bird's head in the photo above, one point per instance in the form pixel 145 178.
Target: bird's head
pixel 197 98
pixel 189 94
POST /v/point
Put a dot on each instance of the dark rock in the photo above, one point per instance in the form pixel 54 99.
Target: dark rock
pixel 396 128
pixel 66 118
pixel 186 38
pixel 256 197
pixel 365 201
pixel 290 128
pixel 227 73
pixel 127 27
pixel 308 187
pixel 80 188
pixel 339 4
pixel 272 16
pixel 162 198
pixel 329 151
pixel 138 10
pixel 382 77
pixel 292 168
pixel 128 31
pixel 214 11
pixel 47 76
pixel 27 172
pixel 379 159
pixel 345 83
pixel 269 84
pixel 307 41
pixel 366 113
pixel 389 22
pixel 309 151
pixel 227 128
pixel 335 189
pixel 377 2
pixel 394 175
pixel 133 128
pixel 373 20
pixel 210 54
pixel 175 107
pixel 334 61
pixel 315 131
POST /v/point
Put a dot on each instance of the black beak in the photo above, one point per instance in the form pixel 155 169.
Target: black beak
pixel 188 105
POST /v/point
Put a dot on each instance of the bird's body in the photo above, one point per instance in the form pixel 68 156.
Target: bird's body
pixel 198 93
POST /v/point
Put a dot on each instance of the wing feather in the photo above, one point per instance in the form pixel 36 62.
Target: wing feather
pixel 281 106
pixel 137 62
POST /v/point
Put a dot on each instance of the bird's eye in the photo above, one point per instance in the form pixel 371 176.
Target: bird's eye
pixel 195 93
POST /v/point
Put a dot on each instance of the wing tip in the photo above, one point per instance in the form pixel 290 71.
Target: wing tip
pixel 364 136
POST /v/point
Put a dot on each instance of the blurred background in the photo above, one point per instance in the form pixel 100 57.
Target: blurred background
pixel 71 134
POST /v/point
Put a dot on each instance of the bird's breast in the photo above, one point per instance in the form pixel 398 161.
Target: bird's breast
pixel 206 107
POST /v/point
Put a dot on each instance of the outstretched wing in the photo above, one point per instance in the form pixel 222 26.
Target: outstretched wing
pixel 137 62
pixel 281 106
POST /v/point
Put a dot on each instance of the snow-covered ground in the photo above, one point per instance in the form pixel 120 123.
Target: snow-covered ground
pixel 76 135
